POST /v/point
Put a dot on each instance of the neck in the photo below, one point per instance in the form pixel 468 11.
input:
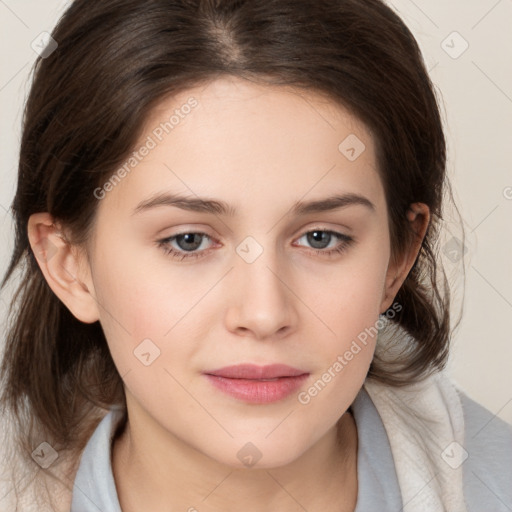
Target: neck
pixel 181 478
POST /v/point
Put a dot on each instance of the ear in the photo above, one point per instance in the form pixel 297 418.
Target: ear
pixel 418 216
pixel 64 267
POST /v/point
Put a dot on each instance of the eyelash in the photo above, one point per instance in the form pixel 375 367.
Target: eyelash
pixel 346 240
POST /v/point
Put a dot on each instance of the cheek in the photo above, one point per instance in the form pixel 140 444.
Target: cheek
pixel 350 309
pixel 349 304
pixel 143 291
pixel 350 298
pixel 151 309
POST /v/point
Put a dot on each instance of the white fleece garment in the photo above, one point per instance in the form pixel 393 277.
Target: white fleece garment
pixel 424 423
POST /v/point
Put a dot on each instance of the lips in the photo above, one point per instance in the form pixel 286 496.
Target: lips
pixel 255 372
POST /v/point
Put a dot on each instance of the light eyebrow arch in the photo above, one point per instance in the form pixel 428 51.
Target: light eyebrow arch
pixel 217 207
pixel 197 204
pixel 332 203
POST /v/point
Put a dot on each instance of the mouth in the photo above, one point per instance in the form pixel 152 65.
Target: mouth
pixel 257 384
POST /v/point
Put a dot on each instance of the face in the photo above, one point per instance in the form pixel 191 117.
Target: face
pixel 181 293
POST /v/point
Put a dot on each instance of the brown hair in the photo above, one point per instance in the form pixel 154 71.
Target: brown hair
pixel 87 105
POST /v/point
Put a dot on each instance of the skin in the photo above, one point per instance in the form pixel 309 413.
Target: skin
pixel 260 149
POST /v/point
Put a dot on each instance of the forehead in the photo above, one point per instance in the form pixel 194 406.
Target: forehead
pixel 251 144
pixel 243 107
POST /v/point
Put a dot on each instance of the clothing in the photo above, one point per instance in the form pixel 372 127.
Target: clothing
pixel 487 471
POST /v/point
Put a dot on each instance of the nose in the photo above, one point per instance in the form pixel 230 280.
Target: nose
pixel 262 303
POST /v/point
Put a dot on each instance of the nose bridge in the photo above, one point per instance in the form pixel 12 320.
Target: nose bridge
pixel 259 268
pixel 262 301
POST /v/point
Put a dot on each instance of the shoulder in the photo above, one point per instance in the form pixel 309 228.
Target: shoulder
pixel 486 434
pixel 487 469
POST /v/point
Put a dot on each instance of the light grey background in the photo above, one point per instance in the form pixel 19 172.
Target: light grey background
pixel 476 91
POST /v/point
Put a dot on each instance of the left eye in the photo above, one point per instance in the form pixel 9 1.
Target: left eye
pixel 320 239
pixel 188 243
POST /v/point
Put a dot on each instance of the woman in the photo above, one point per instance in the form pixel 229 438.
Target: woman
pixel 228 212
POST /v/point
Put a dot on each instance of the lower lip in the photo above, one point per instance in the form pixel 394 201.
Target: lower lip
pixel 258 391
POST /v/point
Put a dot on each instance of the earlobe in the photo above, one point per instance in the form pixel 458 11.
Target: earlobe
pixel 418 216
pixel 63 267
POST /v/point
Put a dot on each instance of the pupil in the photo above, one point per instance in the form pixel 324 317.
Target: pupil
pixel 317 236
pixel 189 239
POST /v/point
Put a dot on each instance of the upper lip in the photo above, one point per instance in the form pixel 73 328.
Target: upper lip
pixel 252 371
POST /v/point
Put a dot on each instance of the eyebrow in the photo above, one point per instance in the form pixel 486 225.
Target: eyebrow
pixel 217 207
